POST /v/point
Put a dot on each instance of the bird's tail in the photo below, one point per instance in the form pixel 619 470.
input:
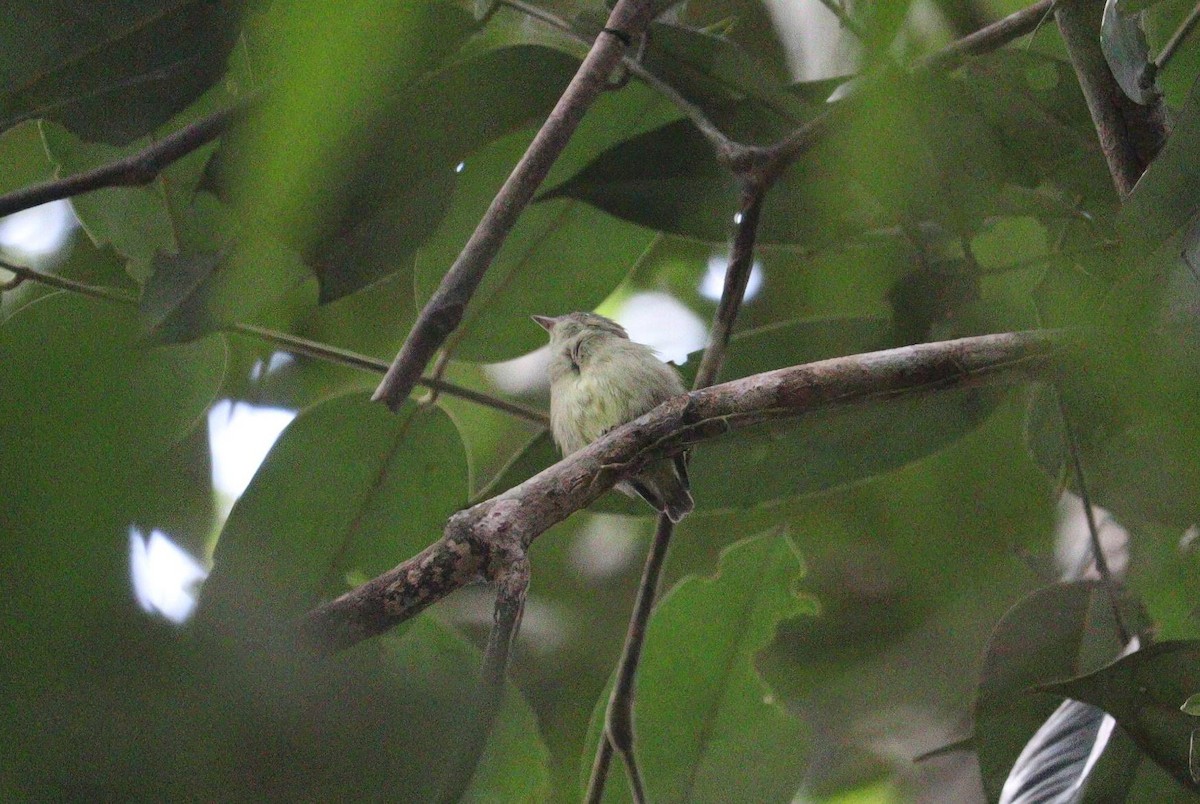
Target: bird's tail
pixel 665 486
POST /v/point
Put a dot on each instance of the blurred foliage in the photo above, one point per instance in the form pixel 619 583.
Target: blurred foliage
pixel 927 602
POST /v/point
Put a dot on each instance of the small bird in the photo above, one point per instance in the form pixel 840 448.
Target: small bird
pixel 600 379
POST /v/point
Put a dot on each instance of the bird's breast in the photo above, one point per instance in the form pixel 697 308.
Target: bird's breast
pixel 584 406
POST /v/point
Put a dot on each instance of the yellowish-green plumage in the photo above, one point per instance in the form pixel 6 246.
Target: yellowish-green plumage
pixel 600 379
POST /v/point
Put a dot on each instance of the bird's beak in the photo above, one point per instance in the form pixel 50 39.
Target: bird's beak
pixel 545 322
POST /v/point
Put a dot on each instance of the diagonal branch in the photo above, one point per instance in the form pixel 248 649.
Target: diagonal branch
pixel 444 311
pixel 1130 135
pixel 477 540
pixel 134 170
pixel 1181 34
pixel 990 37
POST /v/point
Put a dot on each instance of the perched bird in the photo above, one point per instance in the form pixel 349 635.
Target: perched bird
pixel 600 379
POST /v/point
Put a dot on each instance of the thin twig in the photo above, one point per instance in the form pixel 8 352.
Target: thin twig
pixel 1106 577
pixel 292 343
pixel 333 354
pixel 618 717
pixel 519 515
pixel 131 171
pixel 511 579
pixel 63 283
pixel 445 309
pixel 618 731
pixel 990 37
pixel 737 277
pixel 1181 33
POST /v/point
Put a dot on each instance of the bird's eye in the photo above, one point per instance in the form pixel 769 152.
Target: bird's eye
pixel 573 356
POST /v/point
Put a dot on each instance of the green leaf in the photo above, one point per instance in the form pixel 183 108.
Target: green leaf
pixel 669 180
pixel 1144 692
pixel 190 294
pixel 710 69
pixel 705 721
pixel 1137 462
pixel 349 490
pixel 1192 705
pixel 515 761
pixel 357 199
pixel 111 72
pixel 666 179
pixel 1055 631
pixel 134 221
pixel 1035 106
pixel 87 414
pixel 24 158
pixel 172 304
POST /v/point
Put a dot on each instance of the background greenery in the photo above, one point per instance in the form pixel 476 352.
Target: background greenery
pixel 854 589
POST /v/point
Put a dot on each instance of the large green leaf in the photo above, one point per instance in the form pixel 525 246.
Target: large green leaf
pixel 812 453
pixel 515 760
pixel 668 179
pixel 905 148
pixel 349 490
pixel 196 291
pixel 358 192
pixel 710 69
pixel 705 723
pixel 87 415
pixel 111 71
pixel 24 157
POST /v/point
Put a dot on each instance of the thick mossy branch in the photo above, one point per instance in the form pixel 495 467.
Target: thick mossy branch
pixel 478 541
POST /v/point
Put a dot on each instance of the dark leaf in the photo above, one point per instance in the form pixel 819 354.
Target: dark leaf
pixel 435 136
pixel 1054 631
pixel 111 71
pixel 1145 692
pixel 173 305
pixel 1167 196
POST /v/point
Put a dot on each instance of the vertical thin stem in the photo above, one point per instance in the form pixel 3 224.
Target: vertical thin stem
pixel 512 584
pixel 617 734
pixel 1106 577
